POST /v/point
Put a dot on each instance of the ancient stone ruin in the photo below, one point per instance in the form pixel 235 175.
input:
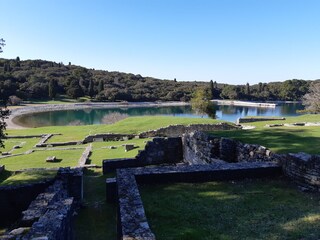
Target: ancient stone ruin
pixel 50 214
pixel 203 158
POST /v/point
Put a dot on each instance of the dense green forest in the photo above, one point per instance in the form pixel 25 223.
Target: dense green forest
pixel 40 79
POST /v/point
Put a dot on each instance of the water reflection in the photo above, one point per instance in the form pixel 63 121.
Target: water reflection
pixel 95 116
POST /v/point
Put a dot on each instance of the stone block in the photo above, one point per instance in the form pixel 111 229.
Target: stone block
pixel 51 159
pixel 128 147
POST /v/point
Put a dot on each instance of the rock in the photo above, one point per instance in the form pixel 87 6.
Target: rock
pixel 19 231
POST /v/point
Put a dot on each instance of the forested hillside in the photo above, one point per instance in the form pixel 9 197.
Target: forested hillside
pixel 40 79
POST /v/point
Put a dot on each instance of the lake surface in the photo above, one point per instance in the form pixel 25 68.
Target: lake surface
pixel 100 116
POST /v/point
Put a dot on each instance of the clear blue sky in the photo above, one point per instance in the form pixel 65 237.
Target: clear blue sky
pixel 230 41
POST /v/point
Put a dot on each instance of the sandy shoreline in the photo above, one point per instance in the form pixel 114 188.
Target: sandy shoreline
pixel 35 108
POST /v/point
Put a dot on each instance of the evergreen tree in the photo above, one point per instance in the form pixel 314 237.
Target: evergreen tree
pixel 91 88
pixel 101 86
pixel 74 90
pixel 2 41
pixel 211 89
pixel 52 89
pixel 4 112
pixel 247 92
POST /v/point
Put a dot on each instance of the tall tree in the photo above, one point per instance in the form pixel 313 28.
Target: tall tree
pixel 312 99
pixel 4 112
pixel 2 41
pixel 211 89
pixel 101 86
pixel 52 88
pixel 200 102
pixel 91 88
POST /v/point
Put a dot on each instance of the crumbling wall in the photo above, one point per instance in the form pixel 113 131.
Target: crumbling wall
pixel 302 168
pixel 157 151
pixel 201 148
pixel 179 130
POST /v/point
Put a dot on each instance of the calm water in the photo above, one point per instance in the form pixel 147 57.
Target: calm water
pixel 98 116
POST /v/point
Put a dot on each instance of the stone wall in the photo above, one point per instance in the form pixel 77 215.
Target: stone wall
pixel 179 130
pixel 50 214
pixel 201 148
pixel 302 168
pixel 260 119
pixel 15 199
pixel 157 151
pixel 106 137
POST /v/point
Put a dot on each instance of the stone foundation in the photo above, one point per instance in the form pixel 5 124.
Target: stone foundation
pixel 50 214
pixel 15 199
pixel 258 119
pixel 157 151
pixel 201 148
pixel 107 137
pixel 303 169
pixel 132 222
pixel 179 130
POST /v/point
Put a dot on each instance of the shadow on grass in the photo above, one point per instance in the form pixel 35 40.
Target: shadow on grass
pixel 251 209
pixel 283 140
pixel 4 175
pixel 96 219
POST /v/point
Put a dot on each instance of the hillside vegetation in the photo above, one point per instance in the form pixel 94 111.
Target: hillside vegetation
pixel 40 79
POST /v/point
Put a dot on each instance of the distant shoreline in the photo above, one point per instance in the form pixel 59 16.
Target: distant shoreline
pixel 36 108
pixel 244 103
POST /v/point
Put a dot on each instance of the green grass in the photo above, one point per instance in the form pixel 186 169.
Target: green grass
pixel 257 209
pixel 69 158
pixel 97 219
pixel 26 144
pixel 131 125
pixel 99 152
pixel 26 177
pixel 281 139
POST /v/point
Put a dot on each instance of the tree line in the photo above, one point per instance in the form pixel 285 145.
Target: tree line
pixel 40 79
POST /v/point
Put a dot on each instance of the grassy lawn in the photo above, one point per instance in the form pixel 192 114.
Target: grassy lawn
pixel 25 143
pixel 97 219
pixel 101 150
pixel 259 209
pixel 131 125
pixel 281 139
pixel 9 178
pixel 69 158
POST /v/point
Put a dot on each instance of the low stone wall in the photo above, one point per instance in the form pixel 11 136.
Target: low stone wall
pixel 201 148
pixel 73 179
pixel 23 136
pixel 15 199
pixel 85 155
pixel 57 144
pixel 179 130
pixel 302 168
pixel 106 137
pixel 157 151
pixel 50 214
pixel 43 139
pixel 259 119
pixel 55 224
pixel 132 221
